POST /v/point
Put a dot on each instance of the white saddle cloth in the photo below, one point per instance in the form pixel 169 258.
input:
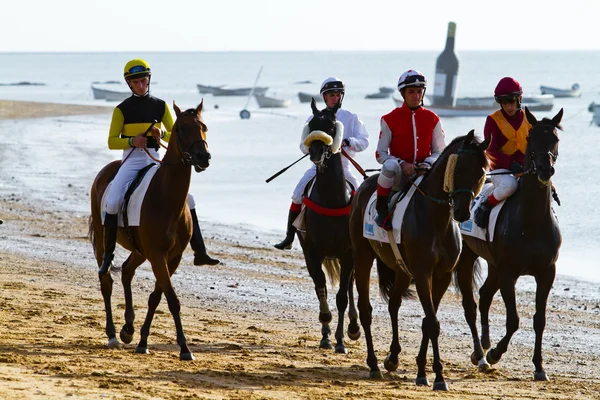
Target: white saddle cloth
pixel 372 231
pixel 470 228
pixel 134 207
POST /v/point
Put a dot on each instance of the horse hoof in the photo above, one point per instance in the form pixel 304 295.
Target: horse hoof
pixel 376 375
pixel 186 357
pixel 474 359
pixel 354 335
pixel 325 344
pixel 114 343
pixel 141 350
pixel 483 365
pixel 440 386
pixel 422 381
pixel 540 376
pixel 341 349
pixel 125 337
pixel 389 365
pixel 491 358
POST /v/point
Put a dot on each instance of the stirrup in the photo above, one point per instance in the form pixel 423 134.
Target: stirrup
pixel 384 221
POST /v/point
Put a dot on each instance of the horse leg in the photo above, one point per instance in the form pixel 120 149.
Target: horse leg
pixel 341 299
pixel 153 302
pixel 401 283
pixel 363 262
pixel 430 329
pixel 314 263
pixel 106 286
pixel 465 270
pixel 128 270
pixel 486 295
pixel 544 284
pixel 353 328
pixel 507 289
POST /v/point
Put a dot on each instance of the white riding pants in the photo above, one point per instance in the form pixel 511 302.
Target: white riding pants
pixel 310 173
pixel 504 185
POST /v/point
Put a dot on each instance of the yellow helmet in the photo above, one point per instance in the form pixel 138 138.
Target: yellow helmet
pixel 136 68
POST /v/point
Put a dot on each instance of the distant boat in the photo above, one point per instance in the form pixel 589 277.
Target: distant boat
pixel 24 83
pixel 595 110
pixel 271 102
pixel 224 91
pixel 575 91
pixel 378 95
pixel 307 97
pixel 109 95
pixel 483 106
pixel 386 89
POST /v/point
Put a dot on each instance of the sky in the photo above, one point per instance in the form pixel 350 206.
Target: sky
pixel 292 25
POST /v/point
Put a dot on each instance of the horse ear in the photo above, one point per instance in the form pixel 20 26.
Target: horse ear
pixel 177 110
pixel 485 144
pixel 199 108
pixel 557 118
pixel 530 118
pixel 470 136
pixel 313 105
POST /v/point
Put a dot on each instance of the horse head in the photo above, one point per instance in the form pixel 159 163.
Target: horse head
pixel 542 146
pixel 190 135
pixel 322 135
pixel 465 174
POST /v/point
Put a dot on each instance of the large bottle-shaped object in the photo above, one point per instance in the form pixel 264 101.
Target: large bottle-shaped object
pixel 446 72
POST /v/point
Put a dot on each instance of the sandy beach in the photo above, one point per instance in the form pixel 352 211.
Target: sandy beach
pixel 253 327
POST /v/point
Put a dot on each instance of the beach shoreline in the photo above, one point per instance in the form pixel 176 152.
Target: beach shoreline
pixel 251 323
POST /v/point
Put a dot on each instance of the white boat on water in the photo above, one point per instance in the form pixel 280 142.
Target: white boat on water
pixel 100 93
pixel 483 106
pixel 226 91
pixel 575 91
pixel 307 97
pixel 594 108
pixel 271 102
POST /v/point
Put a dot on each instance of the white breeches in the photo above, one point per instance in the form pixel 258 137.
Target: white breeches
pixel 504 185
pixel 389 170
pixel 127 173
pixel 310 173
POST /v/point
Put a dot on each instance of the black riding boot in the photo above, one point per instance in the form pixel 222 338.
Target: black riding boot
pixel 197 243
pixel 482 214
pixel 110 241
pixel 286 244
pixel 382 219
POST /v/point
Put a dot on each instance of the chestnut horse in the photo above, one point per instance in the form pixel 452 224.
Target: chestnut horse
pixel 164 232
pixel 526 242
pixel 430 247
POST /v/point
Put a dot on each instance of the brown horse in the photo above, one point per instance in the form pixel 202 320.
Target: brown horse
pixel 527 240
pixel 430 248
pixel 164 232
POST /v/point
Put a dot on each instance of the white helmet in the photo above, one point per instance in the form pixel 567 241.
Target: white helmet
pixel 412 77
pixel 332 83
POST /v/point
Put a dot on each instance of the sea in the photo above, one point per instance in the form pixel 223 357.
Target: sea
pixel 233 191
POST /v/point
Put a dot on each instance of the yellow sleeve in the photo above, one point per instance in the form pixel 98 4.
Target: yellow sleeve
pixel 115 142
pixel 167 122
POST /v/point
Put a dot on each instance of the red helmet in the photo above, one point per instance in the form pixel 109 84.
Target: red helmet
pixel 508 87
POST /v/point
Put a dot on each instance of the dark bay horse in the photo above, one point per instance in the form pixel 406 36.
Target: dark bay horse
pixel 326 240
pixel 164 232
pixel 430 247
pixel 526 242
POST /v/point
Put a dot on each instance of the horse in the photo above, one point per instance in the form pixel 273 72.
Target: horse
pixel 429 248
pixel 164 232
pixel 526 242
pixel 326 240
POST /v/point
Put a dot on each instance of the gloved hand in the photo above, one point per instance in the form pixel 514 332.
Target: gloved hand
pixel 516 168
pixel 422 168
pixel 346 143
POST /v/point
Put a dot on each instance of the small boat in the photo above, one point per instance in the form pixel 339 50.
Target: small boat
pixel 307 97
pixel 225 91
pixel 378 95
pixel 595 110
pixel 271 102
pixel 387 89
pixel 109 95
pixel 575 91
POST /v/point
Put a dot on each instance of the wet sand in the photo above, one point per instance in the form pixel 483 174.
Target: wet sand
pixel 248 324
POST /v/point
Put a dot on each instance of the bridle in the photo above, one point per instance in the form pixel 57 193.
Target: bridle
pixel 533 169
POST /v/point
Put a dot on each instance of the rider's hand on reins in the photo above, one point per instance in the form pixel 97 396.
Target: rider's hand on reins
pixel 156 133
pixel 422 168
pixel 408 169
pixel 139 141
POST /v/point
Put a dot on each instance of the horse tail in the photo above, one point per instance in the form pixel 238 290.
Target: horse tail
pixel 91 235
pixel 476 275
pixel 387 277
pixel 333 268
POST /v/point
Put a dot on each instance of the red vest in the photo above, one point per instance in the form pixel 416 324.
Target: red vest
pixel 407 127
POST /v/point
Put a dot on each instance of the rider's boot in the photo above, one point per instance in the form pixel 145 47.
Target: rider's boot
pixel 286 244
pixel 197 243
pixel 383 219
pixel 482 214
pixel 110 241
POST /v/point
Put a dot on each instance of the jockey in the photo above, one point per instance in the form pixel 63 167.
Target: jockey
pixel 411 137
pixel 356 139
pixel 130 120
pixel 508 129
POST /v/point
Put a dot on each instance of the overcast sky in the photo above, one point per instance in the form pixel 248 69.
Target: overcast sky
pixel 293 25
